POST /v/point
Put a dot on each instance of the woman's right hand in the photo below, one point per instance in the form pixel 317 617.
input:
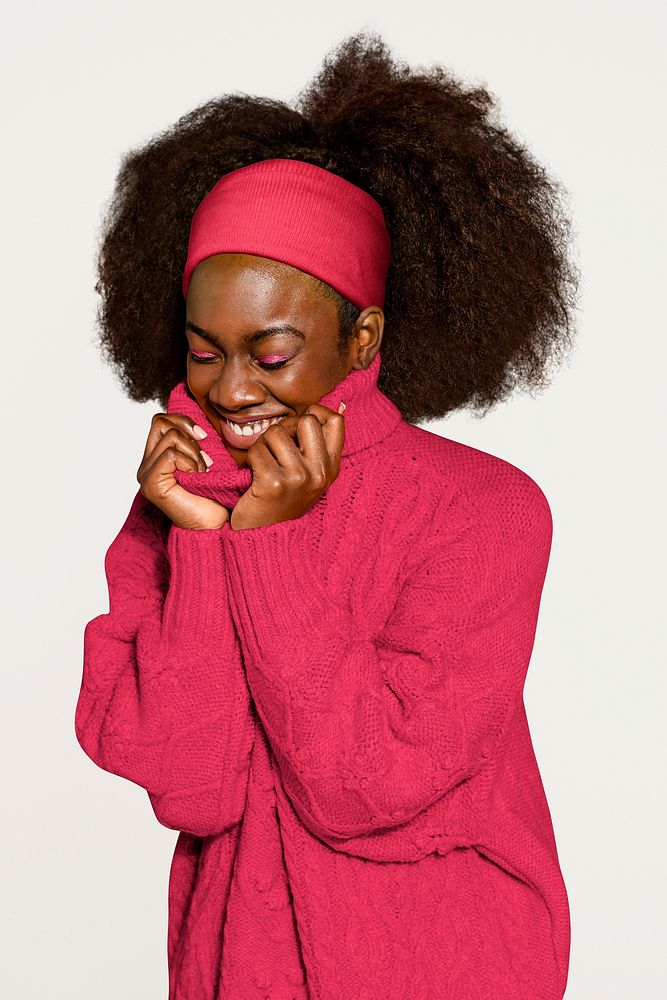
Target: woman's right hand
pixel 172 444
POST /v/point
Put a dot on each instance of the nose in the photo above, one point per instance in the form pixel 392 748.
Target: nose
pixel 236 388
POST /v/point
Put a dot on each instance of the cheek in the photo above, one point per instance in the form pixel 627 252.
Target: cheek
pixel 200 376
pixel 199 387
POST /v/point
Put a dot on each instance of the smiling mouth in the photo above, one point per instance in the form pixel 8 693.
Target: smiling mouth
pixel 244 435
pixel 251 427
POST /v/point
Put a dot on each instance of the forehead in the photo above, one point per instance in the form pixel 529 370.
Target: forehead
pixel 245 290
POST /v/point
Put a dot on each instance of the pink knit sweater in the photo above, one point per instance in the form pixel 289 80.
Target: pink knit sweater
pixel 330 711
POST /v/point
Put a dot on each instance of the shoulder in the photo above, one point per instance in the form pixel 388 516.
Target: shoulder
pixel 440 464
pixel 452 481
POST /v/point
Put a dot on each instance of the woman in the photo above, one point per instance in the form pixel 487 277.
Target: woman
pixel 320 624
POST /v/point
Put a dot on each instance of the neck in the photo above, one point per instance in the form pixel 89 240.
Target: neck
pixel 369 416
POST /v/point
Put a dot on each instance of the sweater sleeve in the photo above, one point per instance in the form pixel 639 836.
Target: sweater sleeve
pixel 164 701
pixel 371 727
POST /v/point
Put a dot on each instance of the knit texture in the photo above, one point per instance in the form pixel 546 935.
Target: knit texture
pixel 330 712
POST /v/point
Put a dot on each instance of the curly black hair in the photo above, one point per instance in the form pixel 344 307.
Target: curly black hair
pixel 481 288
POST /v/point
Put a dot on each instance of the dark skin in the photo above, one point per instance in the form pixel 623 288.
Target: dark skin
pixel 230 297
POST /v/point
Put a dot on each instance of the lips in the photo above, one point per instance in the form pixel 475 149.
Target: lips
pixel 250 420
pixel 244 440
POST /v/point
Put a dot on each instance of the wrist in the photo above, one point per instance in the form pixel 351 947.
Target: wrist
pixel 239 522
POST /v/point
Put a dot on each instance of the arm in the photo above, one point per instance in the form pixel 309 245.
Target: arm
pixel 371 729
pixel 163 700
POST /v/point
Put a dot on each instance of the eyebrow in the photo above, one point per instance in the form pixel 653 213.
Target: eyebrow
pixel 250 338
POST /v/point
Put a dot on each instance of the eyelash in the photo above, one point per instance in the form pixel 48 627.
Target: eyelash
pixel 202 360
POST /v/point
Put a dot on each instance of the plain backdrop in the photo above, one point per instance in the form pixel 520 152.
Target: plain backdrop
pixel 84 861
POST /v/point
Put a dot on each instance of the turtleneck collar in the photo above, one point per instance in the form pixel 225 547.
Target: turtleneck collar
pixel 370 417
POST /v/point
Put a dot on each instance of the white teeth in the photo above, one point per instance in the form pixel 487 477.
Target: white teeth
pixel 258 426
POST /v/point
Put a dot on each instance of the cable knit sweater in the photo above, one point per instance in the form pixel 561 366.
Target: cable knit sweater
pixel 330 711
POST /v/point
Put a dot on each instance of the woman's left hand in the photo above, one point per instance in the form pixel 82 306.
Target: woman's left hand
pixel 293 462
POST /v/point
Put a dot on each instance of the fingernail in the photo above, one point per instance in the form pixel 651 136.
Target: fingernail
pixel 199 432
pixel 341 407
pixel 207 458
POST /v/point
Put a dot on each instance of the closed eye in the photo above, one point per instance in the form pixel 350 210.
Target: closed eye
pixel 270 365
pixel 201 358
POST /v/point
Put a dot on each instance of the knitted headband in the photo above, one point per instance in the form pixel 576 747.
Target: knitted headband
pixel 295 212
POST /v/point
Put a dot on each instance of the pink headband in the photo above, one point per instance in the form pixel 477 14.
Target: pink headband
pixel 300 214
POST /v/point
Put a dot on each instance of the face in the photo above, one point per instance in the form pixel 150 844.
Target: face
pixel 263 344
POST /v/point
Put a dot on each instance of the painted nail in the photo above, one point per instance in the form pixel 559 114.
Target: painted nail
pixel 199 432
pixel 341 407
pixel 207 458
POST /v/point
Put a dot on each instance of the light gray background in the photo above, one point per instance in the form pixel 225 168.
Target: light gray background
pixel 85 862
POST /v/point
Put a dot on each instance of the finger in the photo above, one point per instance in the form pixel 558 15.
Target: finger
pixel 172 442
pixel 320 446
pixel 163 422
pixel 162 464
pixel 263 464
pixel 333 430
pixel 286 444
pixel 275 453
pixel 314 450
